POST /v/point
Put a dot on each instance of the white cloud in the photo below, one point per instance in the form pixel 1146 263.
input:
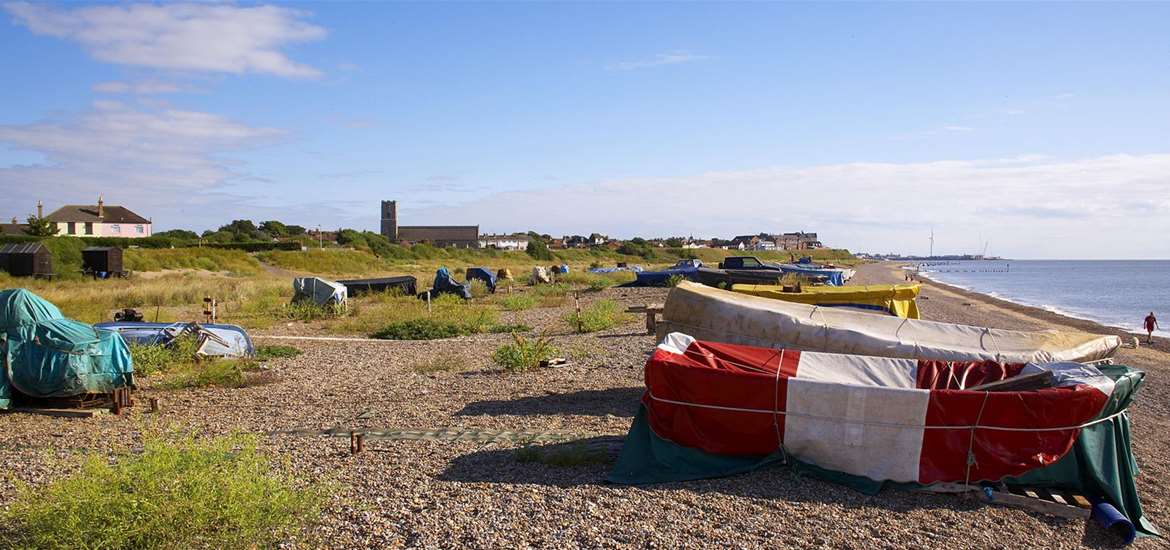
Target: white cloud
pixel 1027 206
pixel 188 37
pixel 153 161
pixel 658 60
pixel 144 87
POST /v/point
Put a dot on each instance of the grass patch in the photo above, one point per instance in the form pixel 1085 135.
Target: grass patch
pixel 336 261
pixel 215 493
pixel 504 329
pixel 478 288
pixel 424 328
pixel 150 360
pixel 600 315
pixel 306 311
pixel 267 353
pixel 518 302
pixel 217 373
pixel 674 280
pixel 564 456
pixel 207 259
pixel 442 362
pixel 523 353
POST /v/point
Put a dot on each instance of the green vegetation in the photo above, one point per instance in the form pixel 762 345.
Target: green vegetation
pixel 268 353
pixel 523 353
pixel 40 227
pixel 518 302
pixel 563 455
pixel 674 280
pixel 214 373
pixel 207 259
pixel 601 315
pixel 149 360
pixel 538 249
pixel 479 289
pixel 186 493
pixel 506 329
pixel 424 328
pixel 326 261
pixel 441 362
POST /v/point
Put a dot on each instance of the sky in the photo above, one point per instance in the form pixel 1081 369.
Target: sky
pixel 1034 130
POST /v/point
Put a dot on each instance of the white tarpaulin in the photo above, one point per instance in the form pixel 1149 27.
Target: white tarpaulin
pixel 319 291
pixel 708 313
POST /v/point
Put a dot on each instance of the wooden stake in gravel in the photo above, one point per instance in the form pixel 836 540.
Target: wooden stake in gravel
pixel 577 302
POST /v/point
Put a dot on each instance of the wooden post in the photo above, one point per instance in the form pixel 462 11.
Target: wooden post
pixel 577 303
pixel 428 302
pixel 153 404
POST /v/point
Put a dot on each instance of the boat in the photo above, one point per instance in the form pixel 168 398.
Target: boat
pixel 897 300
pixel 687 269
pixel 45 355
pixel 713 409
pixel 213 339
pixel 405 285
pixel 723 316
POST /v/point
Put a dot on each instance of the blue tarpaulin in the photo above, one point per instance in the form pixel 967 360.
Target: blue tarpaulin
pixel 482 274
pixel 834 277
pixel 688 269
pixel 444 284
pixel 50 356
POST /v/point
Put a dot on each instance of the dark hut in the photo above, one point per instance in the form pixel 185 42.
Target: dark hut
pixel 102 259
pixel 26 260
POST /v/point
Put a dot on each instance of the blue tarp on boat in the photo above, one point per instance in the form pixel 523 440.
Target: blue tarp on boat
pixel 444 284
pixel 834 277
pixel 688 269
pixel 50 356
pixel 482 274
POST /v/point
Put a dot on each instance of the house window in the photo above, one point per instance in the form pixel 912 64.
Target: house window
pixel 139 229
pixel 71 228
pixel 115 228
pixel 89 228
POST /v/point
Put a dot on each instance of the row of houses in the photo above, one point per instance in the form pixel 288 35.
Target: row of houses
pixel 88 220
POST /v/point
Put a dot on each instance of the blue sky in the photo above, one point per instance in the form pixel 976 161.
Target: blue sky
pixel 1042 128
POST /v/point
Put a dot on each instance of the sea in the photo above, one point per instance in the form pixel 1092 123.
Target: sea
pixel 1117 293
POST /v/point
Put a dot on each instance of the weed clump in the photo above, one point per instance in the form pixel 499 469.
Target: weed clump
pixel 601 315
pixel 523 353
pixel 518 302
pixel 423 328
pixel 217 493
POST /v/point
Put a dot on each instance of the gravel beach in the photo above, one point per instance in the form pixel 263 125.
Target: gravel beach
pixel 444 493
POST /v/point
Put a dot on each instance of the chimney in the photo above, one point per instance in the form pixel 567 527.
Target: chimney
pixel 40 210
pixel 101 209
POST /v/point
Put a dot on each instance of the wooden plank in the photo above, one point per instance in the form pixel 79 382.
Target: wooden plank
pixel 1024 382
pixel 1080 501
pixel 1056 497
pixel 1036 505
pixel 61 413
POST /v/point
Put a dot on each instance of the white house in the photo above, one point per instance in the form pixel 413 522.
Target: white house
pixel 516 241
pixel 98 220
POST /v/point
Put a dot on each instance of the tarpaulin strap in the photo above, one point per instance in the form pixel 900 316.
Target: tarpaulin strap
pixel 990 336
pixel 971 443
pixel 887 424
pixel 776 409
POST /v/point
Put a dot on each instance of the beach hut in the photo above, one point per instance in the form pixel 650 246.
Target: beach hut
pixel 26 260
pixel 102 259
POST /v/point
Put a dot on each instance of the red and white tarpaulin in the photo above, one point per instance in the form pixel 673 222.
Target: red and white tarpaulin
pixel 901 420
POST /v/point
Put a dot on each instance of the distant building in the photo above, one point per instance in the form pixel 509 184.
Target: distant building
pixel 763 241
pixel 98 220
pixel 457 236
pixel 798 241
pixel 14 228
pixel 515 241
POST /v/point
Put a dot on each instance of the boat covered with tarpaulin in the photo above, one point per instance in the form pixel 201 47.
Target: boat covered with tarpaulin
pixel 722 316
pixel 687 269
pixel 712 409
pixel 46 355
pixel 897 300
pixel 834 276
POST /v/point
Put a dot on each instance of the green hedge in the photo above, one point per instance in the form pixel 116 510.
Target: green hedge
pixel 262 246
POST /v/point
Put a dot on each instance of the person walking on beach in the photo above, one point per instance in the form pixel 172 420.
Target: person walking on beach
pixel 1151 325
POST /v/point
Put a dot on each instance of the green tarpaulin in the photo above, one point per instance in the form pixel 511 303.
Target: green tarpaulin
pixel 46 355
pixel 1100 464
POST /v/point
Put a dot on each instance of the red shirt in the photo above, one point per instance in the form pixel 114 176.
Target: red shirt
pixel 1150 322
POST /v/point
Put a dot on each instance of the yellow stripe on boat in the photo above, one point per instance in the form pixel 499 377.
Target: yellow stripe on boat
pixel 894 299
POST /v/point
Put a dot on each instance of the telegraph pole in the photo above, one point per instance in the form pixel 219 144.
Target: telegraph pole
pixel 932 243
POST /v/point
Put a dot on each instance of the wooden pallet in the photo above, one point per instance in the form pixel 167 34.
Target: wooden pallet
pixel 1054 502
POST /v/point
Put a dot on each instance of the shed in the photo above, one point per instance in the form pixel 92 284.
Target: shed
pixel 102 259
pixel 26 259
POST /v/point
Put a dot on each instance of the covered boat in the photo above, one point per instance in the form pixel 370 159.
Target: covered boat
pixel 723 316
pixel 687 269
pixel 714 409
pixel 404 285
pixel 897 300
pixel 319 291
pixel 445 284
pixel 834 276
pixel 45 355
pixel 482 274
